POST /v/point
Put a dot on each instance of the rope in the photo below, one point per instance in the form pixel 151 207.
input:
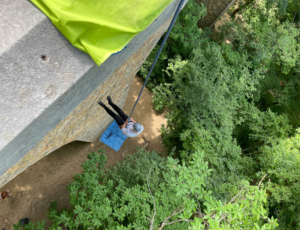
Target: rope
pixel 159 51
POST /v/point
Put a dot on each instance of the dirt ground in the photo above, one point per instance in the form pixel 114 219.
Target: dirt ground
pixel 45 181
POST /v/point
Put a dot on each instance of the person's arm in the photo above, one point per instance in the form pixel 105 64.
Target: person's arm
pixel 124 125
pixel 131 119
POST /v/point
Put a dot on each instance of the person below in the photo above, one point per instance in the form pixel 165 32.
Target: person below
pixel 129 128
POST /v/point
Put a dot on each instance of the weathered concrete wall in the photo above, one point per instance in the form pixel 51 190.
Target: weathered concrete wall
pixel 215 9
pixel 48 103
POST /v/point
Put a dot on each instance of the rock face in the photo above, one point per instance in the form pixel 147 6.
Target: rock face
pixel 215 9
pixel 49 89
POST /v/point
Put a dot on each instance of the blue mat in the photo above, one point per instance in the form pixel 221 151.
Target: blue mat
pixel 113 136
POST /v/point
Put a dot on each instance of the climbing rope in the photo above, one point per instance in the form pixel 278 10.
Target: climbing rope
pixel 159 51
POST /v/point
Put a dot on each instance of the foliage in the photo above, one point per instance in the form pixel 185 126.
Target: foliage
pixel 179 201
pixel 272 45
pixel 203 99
pixel 132 171
pixel 230 98
pixel 184 36
pixel 30 226
pixel 288 10
pixel 271 38
pixel 281 161
pixel 266 125
pixel 260 127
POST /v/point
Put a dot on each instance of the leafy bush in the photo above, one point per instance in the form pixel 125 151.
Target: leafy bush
pixel 182 39
pixel 178 201
pixel 281 161
pixel 272 45
pixel 240 93
pixel 30 226
pixel 288 10
pixel 132 171
pixel 204 99
pixel 261 127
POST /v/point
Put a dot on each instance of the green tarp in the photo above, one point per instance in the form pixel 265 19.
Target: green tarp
pixel 101 27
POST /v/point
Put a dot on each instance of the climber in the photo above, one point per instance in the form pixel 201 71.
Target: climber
pixel 129 128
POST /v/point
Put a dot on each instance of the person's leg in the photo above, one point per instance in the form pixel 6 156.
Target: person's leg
pixel 117 109
pixel 112 114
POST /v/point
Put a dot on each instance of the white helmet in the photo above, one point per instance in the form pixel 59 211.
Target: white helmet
pixel 137 127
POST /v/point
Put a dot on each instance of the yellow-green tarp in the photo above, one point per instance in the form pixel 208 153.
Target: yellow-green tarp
pixel 101 27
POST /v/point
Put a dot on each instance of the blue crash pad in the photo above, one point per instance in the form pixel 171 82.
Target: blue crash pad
pixel 113 136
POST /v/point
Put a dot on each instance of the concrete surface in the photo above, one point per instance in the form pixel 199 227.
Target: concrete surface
pixel 48 87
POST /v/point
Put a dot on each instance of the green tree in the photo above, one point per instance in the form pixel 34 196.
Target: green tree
pixel 288 10
pixel 272 44
pixel 182 40
pixel 229 100
pixel 203 102
pixel 281 161
pixel 179 200
pixel 259 128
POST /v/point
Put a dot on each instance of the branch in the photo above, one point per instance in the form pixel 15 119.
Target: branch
pixel 172 222
pixel 200 213
pixel 265 218
pixel 222 218
pixel 173 214
pixel 151 221
pixel 295 16
pixel 147 218
pixel 233 198
pixel 250 154
pixel 243 150
pixel 262 180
